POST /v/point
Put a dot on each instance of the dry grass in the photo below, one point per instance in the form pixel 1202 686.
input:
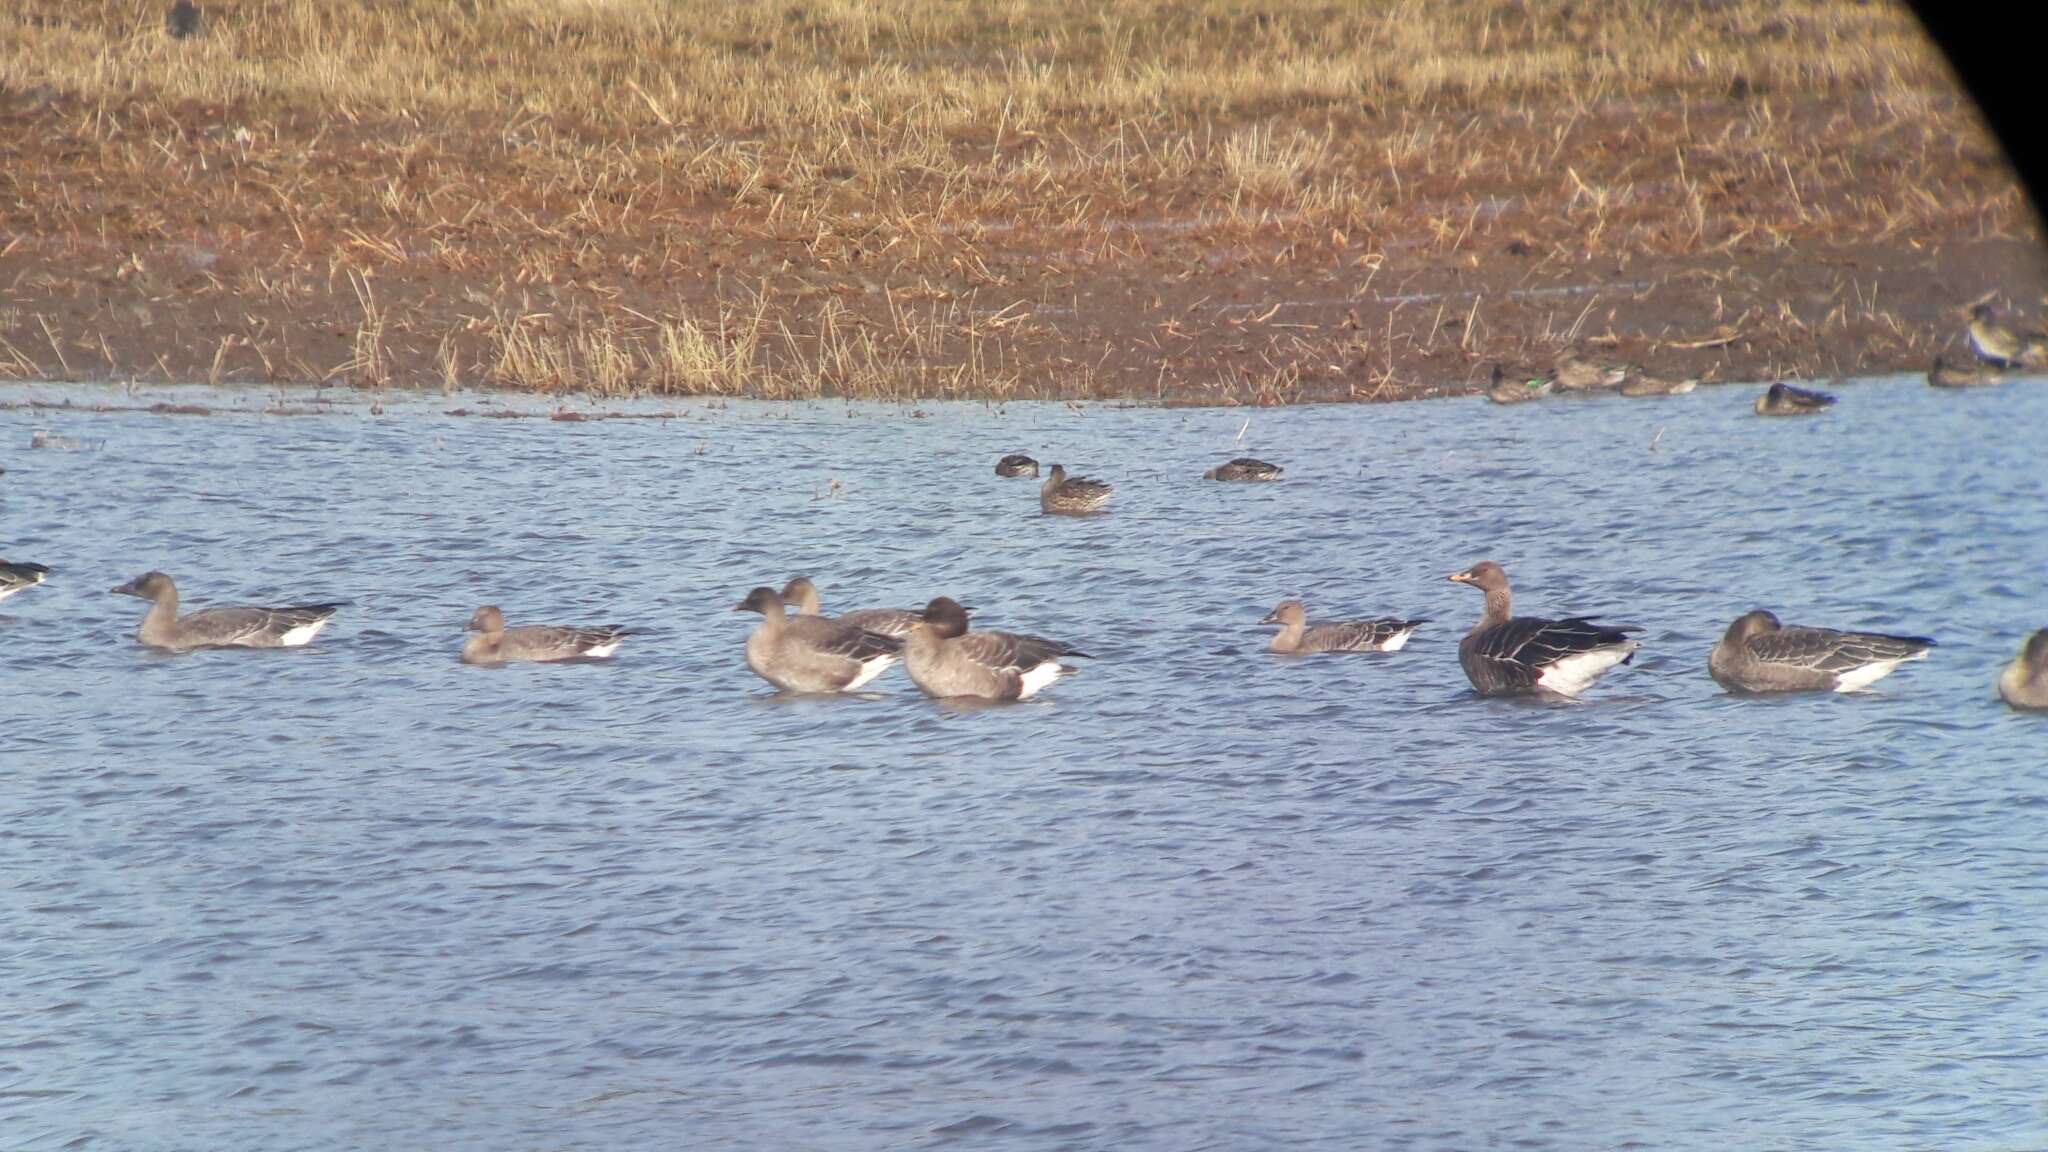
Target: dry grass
pixel 906 197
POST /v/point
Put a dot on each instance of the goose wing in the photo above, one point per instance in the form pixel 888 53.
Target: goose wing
pixel 1359 635
pixel 1536 643
pixel 558 641
pixel 886 621
pixel 1826 650
pixel 837 638
pixel 18 574
pixel 233 626
pixel 1011 650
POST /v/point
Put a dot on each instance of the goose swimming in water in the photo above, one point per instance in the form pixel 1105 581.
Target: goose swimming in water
pixel 1244 468
pixel 1380 634
pixel 2005 345
pixel 2024 683
pixel 1505 389
pixel 1947 373
pixel 1786 400
pixel 539 643
pixel 1507 655
pixel 946 660
pixel 811 653
pixel 1758 654
pixel 1077 496
pixel 16 575
pixel 1016 464
pixel 236 627
pixel 803 595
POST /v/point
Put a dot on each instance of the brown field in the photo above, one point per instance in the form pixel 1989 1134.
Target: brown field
pixel 1176 200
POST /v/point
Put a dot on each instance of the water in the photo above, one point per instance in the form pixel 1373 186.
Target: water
pixel 360 896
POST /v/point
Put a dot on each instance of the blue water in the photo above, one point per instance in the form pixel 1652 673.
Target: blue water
pixel 361 896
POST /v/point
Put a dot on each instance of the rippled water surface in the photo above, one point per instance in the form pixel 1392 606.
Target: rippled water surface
pixel 361 896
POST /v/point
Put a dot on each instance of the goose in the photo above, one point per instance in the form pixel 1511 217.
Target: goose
pixel 1641 383
pixel 237 627
pixel 1244 468
pixel 947 660
pixel 1997 342
pixel 1947 373
pixel 1380 634
pixel 803 595
pixel 2024 683
pixel 1506 390
pixel 1575 375
pixel 1758 654
pixel 1016 464
pixel 540 643
pixel 1078 496
pixel 18 574
pixel 1508 655
pixel 811 653
pixel 1786 400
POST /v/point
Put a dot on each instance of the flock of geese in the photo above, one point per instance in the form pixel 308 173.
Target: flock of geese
pixel 798 648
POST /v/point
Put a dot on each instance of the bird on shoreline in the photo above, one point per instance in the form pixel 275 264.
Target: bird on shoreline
pixel 2006 345
pixel 895 622
pixel 2024 683
pixel 1016 464
pixel 1786 400
pixel 1504 389
pixel 225 627
pixel 1641 383
pixel 1506 655
pixel 1076 496
pixel 1244 468
pixel 945 660
pixel 1759 654
pixel 16 575
pixel 182 21
pixel 811 653
pixel 493 643
pixel 1576 375
pixel 1296 635
pixel 1946 373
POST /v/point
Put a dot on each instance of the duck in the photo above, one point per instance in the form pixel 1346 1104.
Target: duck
pixel 1787 400
pixel 539 643
pixel 811 653
pixel 16 575
pixel 2004 345
pixel 1641 383
pixel 1946 373
pixel 1244 468
pixel 946 660
pixel 1575 375
pixel 1379 634
pixel 2024 683
pixel 1503 389
pixel 1507 655
pixel 896 622
pixel 225 627
pixel 1759 654
pixel 1016 464
pixel 1061 496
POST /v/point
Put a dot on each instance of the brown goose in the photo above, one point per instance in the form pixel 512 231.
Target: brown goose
pixel 946 660
pixel 1078 496
pixel 1947 373
pixel 1505 389
pixel 1016 464
pixel 539 643
pixel 1786 400
pixel 1380 634
pixel 811 653
pixel 803 595
pixel 2005 345
pixel 1641 383
pixel 1244 468
pixel 1506 655
pixel 1758 654
pixel 220 627
pixel 16 575
pixel 2024 683
pixel 1575 375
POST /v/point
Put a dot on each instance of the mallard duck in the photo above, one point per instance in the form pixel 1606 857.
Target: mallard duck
pixel 1244 468
pixel 1786 400
pixel 1076 497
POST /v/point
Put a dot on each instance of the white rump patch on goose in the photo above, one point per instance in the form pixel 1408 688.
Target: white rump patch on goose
pixel 870 668
pixel 1857 679
pixel 303 634
pixel 600 651
pixel 1575 673
pixel 1038 676
pixel 1398 640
